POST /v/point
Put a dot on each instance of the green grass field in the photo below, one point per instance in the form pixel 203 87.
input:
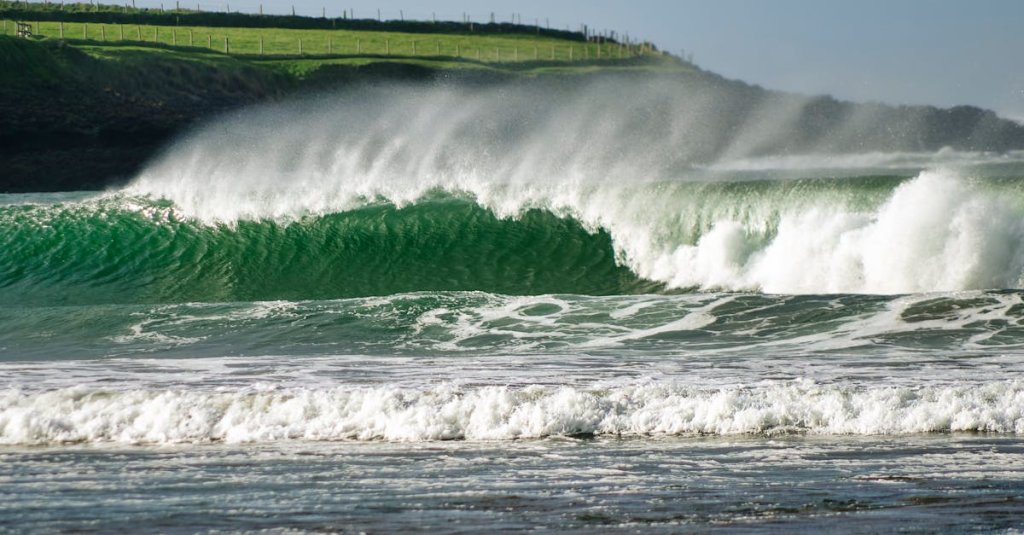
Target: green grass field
pixel 300 53
pixel 489 48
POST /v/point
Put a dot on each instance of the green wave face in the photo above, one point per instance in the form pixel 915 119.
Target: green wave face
pixel 81 254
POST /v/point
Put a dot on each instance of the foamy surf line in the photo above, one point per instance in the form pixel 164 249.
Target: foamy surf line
pixel 448 412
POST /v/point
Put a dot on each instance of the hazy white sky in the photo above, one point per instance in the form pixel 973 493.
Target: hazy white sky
pixel 941 52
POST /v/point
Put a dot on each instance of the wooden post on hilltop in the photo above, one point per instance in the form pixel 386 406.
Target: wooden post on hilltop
pixel 261 10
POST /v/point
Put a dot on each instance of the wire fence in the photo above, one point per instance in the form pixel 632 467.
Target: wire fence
pixel 334 43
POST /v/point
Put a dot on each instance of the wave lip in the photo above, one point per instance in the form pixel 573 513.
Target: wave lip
pixel 447 412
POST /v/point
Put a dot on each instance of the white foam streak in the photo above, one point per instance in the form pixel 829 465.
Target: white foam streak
pixel 935 233
pixel 499 413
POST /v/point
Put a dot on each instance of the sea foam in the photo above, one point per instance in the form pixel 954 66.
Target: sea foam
pixel 447 412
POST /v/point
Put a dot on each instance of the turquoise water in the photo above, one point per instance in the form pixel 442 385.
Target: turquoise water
pixel 181 375
pixel 424 333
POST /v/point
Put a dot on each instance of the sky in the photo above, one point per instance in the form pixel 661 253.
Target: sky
pixel 938 52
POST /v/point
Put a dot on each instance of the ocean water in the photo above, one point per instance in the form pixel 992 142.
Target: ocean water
pixel 427 333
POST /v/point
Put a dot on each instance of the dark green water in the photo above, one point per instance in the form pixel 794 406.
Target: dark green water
pixel 735 354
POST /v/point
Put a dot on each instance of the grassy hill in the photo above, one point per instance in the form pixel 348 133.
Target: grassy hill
pixel 298 45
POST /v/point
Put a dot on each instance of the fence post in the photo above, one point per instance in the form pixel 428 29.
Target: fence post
pixel 103 33
pixel 174 37
pixel 85 31
pixel 330 47
pixel 190 42
pixel 414 47
pixel 359 46
pixel 387 47
pixel 536 53
pixel 458 50
pixel 300 46
pixel 120 30
pixel 61 28
pixel 209 41
pixel 438 51
pixel 138 32
pixel 226 45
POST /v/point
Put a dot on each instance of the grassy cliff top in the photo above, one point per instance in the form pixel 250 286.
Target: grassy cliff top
pixel 304 47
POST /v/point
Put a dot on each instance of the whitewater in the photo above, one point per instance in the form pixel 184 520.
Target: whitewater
pixel 517 308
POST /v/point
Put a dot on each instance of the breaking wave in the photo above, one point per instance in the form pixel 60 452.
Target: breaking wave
pixel 448 412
